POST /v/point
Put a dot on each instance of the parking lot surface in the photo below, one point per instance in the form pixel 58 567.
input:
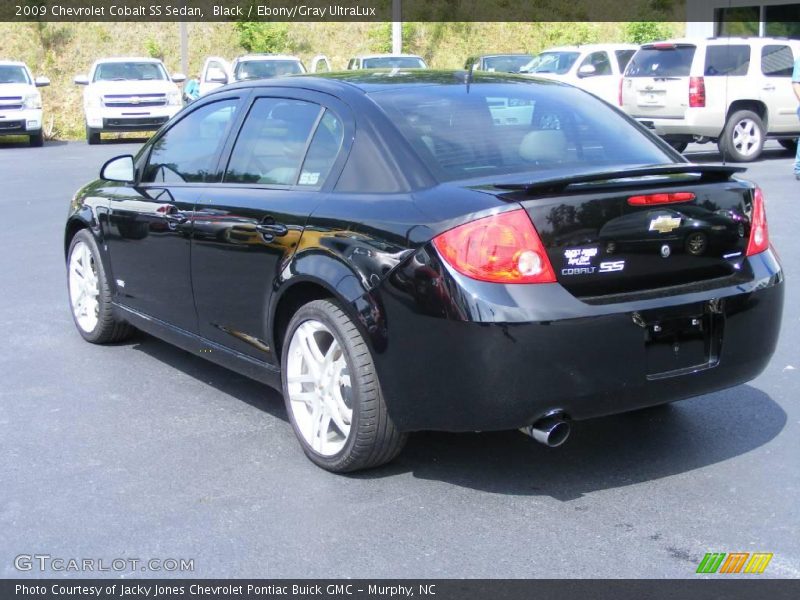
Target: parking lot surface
pixel 141 450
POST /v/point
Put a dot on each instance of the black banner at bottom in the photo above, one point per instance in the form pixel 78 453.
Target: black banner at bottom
pixel 364 589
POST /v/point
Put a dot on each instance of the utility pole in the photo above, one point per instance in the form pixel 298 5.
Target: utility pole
pixel 184 49
pixel 397 27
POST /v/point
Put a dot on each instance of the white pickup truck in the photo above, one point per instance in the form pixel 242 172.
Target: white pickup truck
pixel 21 102
pixel 128 94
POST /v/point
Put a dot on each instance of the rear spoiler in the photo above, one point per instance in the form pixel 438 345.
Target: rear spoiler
pixel 557 185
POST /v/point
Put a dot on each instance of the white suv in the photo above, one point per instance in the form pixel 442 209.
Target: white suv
pixel 596 68
pixel 128 94
pixel 733 91
pixel 21 102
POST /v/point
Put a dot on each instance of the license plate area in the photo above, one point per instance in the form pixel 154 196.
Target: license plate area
pixel 683 339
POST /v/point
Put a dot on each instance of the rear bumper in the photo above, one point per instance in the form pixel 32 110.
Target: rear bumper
pixel 449 359
pixel 694 122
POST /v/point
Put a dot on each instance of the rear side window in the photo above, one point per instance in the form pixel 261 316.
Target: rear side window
pixel 188 151
pixel 273 141
pixel 500 129
pixel 733 60
pixel 623 58
pixel 777 61
pixel 671 61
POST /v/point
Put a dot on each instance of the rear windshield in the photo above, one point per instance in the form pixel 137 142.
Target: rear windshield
pixel 505 64
pixel 552 62
pixel 499 129
pixel 130 71
pixel 13 74
pixel 393 62
pixel 674 61
pixel 265 69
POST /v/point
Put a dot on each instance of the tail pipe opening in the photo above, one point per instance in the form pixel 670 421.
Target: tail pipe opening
pixel 551 430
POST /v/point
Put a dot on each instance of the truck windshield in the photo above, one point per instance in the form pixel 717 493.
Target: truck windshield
pixel 393 62
pixel 130 71
pixel 552 62
pixel 265 69
pixel 13 74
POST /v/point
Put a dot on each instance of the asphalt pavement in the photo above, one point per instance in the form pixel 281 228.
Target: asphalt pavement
pixel 143 451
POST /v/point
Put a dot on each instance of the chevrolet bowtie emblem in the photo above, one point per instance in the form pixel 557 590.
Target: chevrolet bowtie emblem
pixel 665 224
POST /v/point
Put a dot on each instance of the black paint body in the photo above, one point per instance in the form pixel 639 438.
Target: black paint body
pixel 452 353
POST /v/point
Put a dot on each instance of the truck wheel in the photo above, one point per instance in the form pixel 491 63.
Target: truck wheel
pixel 742 139
pixel 790 145
pixel 92 136
pixel 332 392
pixel 36 140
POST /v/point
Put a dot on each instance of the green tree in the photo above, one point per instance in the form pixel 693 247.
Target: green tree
pixel 642 32
pixel 263 37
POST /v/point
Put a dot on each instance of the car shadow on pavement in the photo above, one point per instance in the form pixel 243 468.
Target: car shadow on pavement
pixel 713 156
pixel 604 453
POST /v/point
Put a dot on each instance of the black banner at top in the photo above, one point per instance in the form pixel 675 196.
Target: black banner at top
pixel 356 10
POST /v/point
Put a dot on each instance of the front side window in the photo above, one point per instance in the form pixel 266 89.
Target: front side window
pixel 130 71
pixel 732 60
pixel 273 141
pixel 502 129
pixel 188 151
pixel 623 58
pixel 552 62
pixel 13 74
pixel 777 61
pixel 600 62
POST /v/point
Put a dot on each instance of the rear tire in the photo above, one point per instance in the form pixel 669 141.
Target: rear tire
pixel 332 393
pixel 742 139
pixel 89 293
pixel 790 145
pixel 36 140
pixel 92 136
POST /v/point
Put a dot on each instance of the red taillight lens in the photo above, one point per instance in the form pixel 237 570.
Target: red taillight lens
pixel 697 92
pixel 759 233
pixel 651 199
pixel 503 248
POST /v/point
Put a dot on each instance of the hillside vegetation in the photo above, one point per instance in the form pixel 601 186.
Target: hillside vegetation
pixel 63 50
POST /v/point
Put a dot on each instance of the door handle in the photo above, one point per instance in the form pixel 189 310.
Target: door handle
pixel 768 88
pixel 272 229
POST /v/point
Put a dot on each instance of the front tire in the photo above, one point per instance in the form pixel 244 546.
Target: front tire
pixel 92 136
pixel 36 140
pixel 89 293
pixel 742 139
pixel 332 393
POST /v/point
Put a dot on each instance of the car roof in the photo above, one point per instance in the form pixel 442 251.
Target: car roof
pixel 376 80
pixel 505 54
pixel 591 47
pixel 12 63
pixel 122 59
pixel 726 40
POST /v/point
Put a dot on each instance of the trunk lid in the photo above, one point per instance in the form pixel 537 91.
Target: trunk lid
pixel 656 82
pixel 601 244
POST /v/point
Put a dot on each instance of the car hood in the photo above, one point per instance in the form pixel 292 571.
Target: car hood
pixel 132 87
pixel 16 89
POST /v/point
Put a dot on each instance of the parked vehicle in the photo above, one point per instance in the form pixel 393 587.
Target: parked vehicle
pixel 128 94
pixel 597 68
pixel 386 61
pixel 395 253
pixel 21 102
pixel 502 63
pixel 217 71
pixel 736 92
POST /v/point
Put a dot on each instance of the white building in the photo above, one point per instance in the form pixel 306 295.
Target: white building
pixel 773 18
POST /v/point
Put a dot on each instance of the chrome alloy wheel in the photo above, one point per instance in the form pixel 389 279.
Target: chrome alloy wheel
pixel 84 290
pixel 319 388
pixel 746 137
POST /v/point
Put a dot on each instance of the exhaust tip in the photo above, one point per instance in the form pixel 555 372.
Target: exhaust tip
pixel 552 430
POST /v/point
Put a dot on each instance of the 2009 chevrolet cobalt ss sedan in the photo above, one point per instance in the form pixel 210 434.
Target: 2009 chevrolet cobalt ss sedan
pixel 402 251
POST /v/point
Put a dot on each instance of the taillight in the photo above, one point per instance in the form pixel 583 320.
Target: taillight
pixel 759 233
pixel 650 199
pixel 619 97
pixel 503 248
pixel 697 92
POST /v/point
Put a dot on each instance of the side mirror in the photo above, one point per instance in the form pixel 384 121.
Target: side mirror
pixel 81 80
pixel 41 82
pixel 216 75
pixel 178 77
pixel 119 168
pixel 587 71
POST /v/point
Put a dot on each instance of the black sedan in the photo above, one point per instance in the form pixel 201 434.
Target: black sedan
pixel 402 251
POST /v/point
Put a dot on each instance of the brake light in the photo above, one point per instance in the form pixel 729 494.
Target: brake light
pixel 650 199
pixel 697 92
pixel 664 46
pixel 503 248
pixel 759 233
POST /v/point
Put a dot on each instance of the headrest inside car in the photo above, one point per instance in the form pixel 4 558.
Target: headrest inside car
pixel 544 144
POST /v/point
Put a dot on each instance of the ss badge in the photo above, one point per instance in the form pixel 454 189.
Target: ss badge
pixel 611 266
